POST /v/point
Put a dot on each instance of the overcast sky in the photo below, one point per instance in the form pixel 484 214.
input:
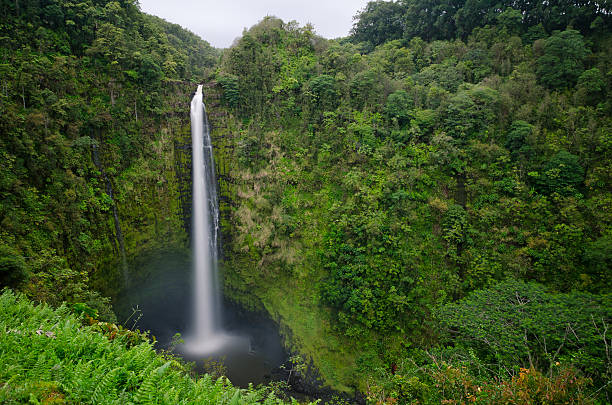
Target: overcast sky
pixel 221 21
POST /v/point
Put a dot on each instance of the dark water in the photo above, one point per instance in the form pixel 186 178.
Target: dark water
pixel 162 298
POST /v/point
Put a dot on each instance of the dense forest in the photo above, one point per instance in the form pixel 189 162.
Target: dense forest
pixel 424 206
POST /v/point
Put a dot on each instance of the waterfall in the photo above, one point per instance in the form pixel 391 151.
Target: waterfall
pixel 207 337
pixel 205 230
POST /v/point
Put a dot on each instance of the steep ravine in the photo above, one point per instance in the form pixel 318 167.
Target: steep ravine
pixel 159 288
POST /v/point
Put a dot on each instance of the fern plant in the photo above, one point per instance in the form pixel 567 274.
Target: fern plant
pixel 47 356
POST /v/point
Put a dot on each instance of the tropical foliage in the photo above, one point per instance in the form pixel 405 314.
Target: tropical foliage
pixel 425 205
pixel 378 180
pixel 48 357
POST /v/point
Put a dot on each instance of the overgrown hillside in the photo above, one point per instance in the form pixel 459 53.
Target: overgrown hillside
pixel 388 190
pixel 93 96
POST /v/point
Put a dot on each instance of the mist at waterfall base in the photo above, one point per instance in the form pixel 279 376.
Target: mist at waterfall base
pixel 248 352
pixel 163 298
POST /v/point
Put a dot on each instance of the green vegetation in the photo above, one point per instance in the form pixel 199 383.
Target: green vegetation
pixel 424 206
pixel 48 357
pixel 430 20
pixel 392 187
pixel 92 101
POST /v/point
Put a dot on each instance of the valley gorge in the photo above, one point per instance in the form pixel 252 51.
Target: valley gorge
pixel 414 213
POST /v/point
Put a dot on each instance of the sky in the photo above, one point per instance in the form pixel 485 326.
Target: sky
pixel 221 21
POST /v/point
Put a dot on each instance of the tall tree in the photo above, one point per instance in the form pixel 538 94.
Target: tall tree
pixel 379 22
pixel 562 61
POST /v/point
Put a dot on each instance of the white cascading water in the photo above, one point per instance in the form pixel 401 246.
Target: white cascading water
pixel 205 231
pixel 207 338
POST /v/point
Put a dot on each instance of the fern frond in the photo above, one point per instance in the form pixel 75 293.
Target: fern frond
pixel 106 387
pixel 146 392
pixel 41 370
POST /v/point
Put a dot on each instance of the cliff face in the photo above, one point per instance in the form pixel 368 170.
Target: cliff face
pixel 152 196
pixel 268 264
